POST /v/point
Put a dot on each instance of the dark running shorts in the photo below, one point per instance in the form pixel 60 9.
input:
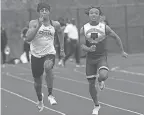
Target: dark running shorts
pixel 94 65
pixel 37 64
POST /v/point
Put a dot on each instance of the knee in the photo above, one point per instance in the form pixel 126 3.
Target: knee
pixel 37 82
pixel 48 65
pixel 103 74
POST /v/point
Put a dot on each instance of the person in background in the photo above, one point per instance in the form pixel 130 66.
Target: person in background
pixel 26 47
pixel 4 47
pixel 71 32
pixel 57 44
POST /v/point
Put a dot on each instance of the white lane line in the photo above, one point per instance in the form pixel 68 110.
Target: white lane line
pixel 27 99
pixel 129 72
pixel 133 82
pixel 114 78
pixel 76 95
pixel 120 91
pixel 83 82
pixel 21 73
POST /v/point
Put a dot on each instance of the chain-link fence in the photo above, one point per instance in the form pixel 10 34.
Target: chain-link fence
pixel 126 20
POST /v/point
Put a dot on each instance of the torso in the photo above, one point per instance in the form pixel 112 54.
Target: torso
pixel 95 31
pixel 43 42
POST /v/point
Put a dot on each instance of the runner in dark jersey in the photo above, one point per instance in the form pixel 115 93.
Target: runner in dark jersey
pixel 96 32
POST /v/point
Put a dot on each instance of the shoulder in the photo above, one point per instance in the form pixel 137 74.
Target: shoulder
pixel 86 25
pixel 33 23
pixel 82 30
pixel 109 30
pixel 56 24
pixel 102 23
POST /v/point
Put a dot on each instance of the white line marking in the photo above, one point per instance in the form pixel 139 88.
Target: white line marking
pixel 114 78
pixel 27 99
pixel 70 79
pixel 128 93
pixel 23 73
pixel 75 70
pixel 29 73
pixel 138 54
pixel 129 72
pixel 124 92
pixel 82 82
pixel 117 69
pixel 2 73
pixel 133 82
pixel 114 68
pixel 73 94
pixel 28 69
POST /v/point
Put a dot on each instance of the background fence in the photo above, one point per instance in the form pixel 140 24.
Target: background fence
pixel 126 20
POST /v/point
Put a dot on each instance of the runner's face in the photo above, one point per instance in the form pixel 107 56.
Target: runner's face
pixel 94 14
pixel 44 12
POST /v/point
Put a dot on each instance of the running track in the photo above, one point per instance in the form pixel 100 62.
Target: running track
pixel 123 95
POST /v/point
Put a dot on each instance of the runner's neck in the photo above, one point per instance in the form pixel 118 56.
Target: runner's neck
pixel 94 23
pixel 46 22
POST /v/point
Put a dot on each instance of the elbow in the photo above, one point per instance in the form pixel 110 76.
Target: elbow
pixel 28 39
pixel 82 46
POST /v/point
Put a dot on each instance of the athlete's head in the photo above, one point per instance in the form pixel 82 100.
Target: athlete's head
pixel 73 21
pixel 43 9
pixel 94 13
pixel 61 21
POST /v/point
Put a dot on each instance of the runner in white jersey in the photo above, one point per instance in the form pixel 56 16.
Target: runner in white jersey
pixel 40 35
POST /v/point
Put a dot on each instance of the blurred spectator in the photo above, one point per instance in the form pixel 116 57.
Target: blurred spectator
pixel 57 44
pixel 4 47
pixel 26 47
pixel 71 32
pixel 104 20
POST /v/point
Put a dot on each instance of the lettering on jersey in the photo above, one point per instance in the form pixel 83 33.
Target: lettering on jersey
pixel 45 33
pixel 94 30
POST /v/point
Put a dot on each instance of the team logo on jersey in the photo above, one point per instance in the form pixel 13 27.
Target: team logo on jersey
pixel 95 35
pixel 46 33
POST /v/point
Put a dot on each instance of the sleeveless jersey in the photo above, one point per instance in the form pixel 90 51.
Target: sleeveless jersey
pixel 43 43
pixel 92 34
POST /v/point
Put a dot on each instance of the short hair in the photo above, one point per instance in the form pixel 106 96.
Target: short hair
pixel 91 7
pixel 42 5
pixel 61 21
